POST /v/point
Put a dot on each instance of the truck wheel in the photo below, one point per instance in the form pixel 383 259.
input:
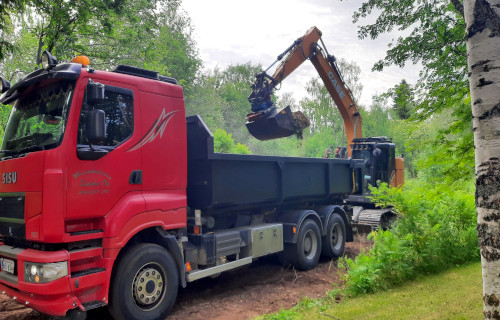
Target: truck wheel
pixel 334 239
pixel 304 255
pixel 144 284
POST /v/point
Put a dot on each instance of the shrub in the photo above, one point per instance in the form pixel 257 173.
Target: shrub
pixel 224 143
pixel 435 231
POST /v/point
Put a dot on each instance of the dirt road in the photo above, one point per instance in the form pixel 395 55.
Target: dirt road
pixel 263 287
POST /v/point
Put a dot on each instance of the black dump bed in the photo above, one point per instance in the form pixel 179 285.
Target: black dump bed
pixel 220 182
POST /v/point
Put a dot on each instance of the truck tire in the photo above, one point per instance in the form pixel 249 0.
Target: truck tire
pixel 304 255
pixel 144 284
pixel 333 243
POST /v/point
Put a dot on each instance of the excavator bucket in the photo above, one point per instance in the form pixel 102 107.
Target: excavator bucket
pixel 275 124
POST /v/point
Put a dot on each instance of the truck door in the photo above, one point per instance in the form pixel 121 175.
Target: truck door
pixel 97 184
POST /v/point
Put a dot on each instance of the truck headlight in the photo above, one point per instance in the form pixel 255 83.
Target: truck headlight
pixel 44 272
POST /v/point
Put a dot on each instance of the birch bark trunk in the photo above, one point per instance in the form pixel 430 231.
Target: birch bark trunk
pixel 483 58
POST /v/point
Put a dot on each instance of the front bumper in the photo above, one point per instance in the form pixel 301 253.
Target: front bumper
pixel 55 306
pixel 53 298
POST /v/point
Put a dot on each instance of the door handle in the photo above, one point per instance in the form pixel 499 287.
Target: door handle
pixel 135 177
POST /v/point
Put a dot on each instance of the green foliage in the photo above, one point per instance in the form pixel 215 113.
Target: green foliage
pixel 22 59
pixel 435 37
pixel 224 143
pixel 316 144
pixel 435 231
pixel 305 304
pixel 288 147
pixel 155 35
pixel 437 149
pixel 350 71
pixel 205 101
pixel 320 108
pixel 377 120
pixel 427 297
pixel 403 97
pixel 327 126
pixel 8 7
pixel 58 24
pixel 4 117
pixel 221 97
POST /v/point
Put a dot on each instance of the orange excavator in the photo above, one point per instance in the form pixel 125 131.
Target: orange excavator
pixel 265 122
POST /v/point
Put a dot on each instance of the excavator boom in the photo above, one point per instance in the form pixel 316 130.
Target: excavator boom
pixel 266 123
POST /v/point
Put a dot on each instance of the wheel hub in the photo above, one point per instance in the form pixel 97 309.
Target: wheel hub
pixel 310 244
pixel 336 236
pixel 149 286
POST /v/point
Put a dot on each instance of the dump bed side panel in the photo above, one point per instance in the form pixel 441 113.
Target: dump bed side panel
pixel 220 182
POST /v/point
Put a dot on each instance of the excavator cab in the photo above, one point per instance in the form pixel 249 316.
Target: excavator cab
pixel 381 163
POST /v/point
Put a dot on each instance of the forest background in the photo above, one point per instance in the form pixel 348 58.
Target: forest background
pixel 429 122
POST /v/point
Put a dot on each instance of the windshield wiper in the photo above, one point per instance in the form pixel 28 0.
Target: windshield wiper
pixel 30 149
pixel 24 151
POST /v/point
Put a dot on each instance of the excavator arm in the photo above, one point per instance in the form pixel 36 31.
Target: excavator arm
pixel 266 123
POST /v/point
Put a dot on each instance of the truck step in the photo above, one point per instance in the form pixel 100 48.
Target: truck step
pixel 93 305
pixel 198 274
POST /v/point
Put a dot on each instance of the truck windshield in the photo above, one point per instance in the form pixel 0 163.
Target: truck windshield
pixel 38 118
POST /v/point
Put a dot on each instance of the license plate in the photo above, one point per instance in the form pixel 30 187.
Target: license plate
pixel 7 265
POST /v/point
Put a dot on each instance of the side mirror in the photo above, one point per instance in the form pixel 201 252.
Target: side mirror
pixel 96 126
pixel 4 85
pixel 95 92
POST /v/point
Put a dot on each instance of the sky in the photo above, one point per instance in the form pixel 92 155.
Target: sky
pixel 231 32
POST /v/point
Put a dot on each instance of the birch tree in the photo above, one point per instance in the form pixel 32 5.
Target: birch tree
pixel 483 48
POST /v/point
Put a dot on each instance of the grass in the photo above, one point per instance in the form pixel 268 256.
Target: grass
pixel 454 294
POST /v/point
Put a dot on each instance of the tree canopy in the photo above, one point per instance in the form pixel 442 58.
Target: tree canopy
pixel 403 100
pixel 432 34
pixel 144 33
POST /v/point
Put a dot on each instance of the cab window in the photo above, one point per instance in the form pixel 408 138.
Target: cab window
pixel 118 106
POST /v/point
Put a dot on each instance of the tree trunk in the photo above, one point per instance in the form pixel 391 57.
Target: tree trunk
pixel 483 49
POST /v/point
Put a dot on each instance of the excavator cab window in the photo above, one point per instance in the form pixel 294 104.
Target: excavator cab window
pixel 383 163
pixel 379 156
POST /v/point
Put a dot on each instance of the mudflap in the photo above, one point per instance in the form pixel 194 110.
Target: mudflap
pixel 272 124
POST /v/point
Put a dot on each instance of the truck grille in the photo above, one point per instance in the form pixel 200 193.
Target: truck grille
pixel 12 222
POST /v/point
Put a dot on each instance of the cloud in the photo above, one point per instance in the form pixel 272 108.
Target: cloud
pixel 231 32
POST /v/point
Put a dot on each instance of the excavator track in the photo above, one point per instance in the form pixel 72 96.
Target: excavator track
pixel 373 219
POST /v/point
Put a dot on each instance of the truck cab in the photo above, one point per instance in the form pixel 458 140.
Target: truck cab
pixel 69 201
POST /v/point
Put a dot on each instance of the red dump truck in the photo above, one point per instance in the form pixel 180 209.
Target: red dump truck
pixel 111 197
